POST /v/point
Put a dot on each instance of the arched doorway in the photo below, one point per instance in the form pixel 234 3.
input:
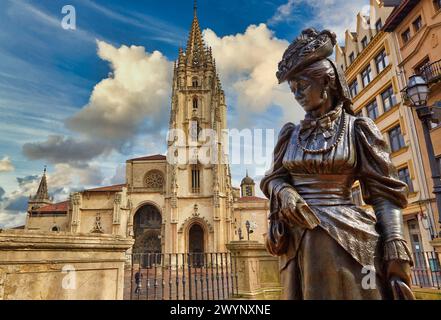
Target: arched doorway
pixel 147 227
pixel 196 244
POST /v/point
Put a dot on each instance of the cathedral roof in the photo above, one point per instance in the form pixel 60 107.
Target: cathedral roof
pixel 153 157
pixel 251 199
pixel 56 207
pixel 116 188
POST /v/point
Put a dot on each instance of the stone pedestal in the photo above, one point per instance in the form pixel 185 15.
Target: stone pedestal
pixel 258 271
pixel 61 266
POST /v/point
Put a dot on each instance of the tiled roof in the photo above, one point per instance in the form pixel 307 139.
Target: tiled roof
pixel 250 199
pixel 398 14
pixel 117 187
pixel 153 157
pixel 56 207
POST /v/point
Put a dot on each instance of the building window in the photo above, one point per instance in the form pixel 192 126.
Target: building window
pixel 195 130
pixel 364 42
pixel 378 25
pixel 353 88
pixel 403 175
pixel 437 4
pixel 195 82
pixel 356 196
pixel 396 139
pixel 438 161
pixel 372 110
pixel 405 36
pixel 55 229
pixel 381 61
pixel 419 69
pixel 248 191
pixel 417 24
pixel 195 103
pixel 195 179
pixel 351 57
pixel 366 76
pixel 388 98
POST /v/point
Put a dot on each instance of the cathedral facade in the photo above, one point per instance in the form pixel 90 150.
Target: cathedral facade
pixel 167 204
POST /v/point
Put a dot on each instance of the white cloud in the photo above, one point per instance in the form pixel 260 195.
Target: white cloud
pixel 136 94
pixel 247 63
pixel 6 165
pixel 11 219
pixel 283 13
pixel 137 90
pixel 335 15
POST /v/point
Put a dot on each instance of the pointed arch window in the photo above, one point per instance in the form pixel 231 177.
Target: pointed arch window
pixel 195 103
pixel 195 179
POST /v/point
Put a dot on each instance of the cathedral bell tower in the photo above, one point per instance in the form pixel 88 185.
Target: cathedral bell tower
pixel 199 175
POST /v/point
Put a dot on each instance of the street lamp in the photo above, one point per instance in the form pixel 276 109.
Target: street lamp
pixel 248 226
pixel 418 91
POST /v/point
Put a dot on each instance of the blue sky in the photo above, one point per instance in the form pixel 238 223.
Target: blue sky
pixel 48 76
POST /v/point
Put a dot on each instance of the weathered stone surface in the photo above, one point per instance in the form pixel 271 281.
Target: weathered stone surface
pixel 48 266
pixel 258 271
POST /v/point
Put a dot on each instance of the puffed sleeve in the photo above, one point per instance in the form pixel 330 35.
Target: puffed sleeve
pixel 276 176
pixel 381 187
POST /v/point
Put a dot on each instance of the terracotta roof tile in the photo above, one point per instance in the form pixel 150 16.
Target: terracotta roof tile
pixel 56 207
pixel 249 199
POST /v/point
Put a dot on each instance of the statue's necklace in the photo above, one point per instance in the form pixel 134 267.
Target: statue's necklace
pixel 331 147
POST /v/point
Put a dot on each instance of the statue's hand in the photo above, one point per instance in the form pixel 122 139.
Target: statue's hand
pixel 295 211
pixel 399 269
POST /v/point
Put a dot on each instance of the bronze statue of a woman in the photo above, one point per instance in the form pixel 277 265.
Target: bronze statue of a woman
pixel 329 248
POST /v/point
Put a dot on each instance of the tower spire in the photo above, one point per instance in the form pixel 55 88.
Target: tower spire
pixel 42 193
pixel 195 43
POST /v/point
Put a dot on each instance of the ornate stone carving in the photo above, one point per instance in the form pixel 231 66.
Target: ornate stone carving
pixel 201 220
pixel 154 179
pixel 97 228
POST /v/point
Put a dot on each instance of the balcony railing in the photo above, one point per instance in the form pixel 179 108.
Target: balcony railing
pixel 432 72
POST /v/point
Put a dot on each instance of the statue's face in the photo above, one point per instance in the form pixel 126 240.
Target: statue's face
pixel 307 91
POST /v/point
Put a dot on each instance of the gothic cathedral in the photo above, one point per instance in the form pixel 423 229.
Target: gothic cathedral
pixel 170 206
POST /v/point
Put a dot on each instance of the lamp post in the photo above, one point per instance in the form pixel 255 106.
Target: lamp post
pixel 417 91
pixel 240 233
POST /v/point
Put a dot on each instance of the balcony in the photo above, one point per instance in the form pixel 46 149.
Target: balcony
pixel 432 72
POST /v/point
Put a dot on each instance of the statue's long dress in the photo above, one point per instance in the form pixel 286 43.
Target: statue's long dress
pixel 336 259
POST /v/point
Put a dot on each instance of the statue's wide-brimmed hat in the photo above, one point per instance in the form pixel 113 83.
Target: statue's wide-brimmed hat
pixel 311 46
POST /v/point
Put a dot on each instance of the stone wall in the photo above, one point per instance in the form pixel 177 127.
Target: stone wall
pixel 61 266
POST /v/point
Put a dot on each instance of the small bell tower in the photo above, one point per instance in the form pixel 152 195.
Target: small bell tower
pixel 41 198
